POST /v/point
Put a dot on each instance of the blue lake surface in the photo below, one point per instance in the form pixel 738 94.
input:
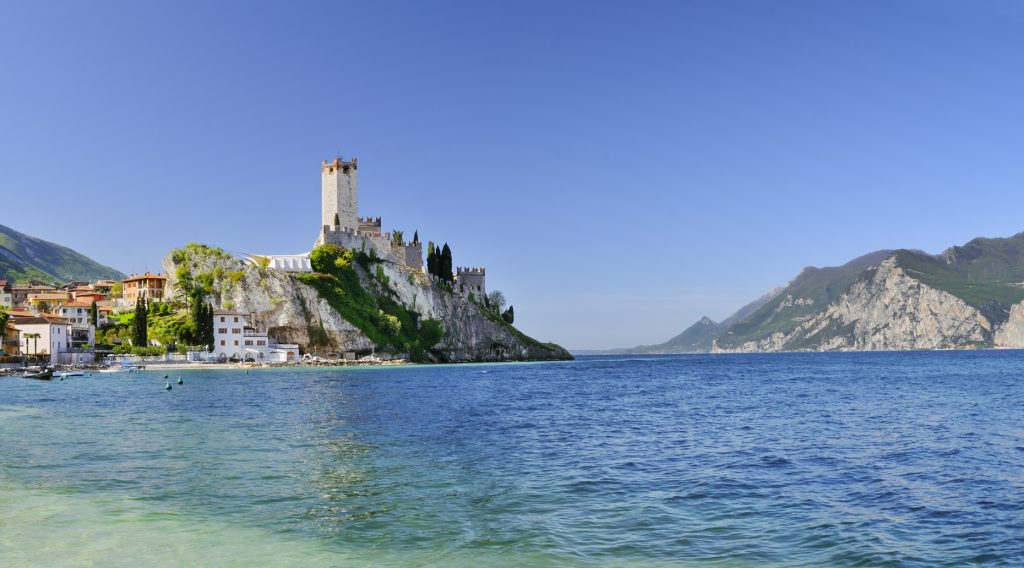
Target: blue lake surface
pixel 866 459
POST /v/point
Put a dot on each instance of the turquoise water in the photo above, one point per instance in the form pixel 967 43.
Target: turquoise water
pixel 898 459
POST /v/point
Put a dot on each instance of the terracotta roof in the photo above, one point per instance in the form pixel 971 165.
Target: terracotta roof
pixel 146 276
pixel 223 312
pixel 78 305
pixel 48 296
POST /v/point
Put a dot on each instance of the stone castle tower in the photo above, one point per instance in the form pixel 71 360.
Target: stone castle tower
pixel 339 191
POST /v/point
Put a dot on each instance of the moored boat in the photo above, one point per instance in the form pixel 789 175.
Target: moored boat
pixel 43 374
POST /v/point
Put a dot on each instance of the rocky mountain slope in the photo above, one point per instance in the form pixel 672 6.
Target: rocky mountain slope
pixel 968 296
pixel 355 303
pixel 23 257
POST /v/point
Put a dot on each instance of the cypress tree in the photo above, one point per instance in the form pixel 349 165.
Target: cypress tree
pixel 416 237
pixel 509 316
pixel 337 220
pixel 431 259
pixel 446 264
pixel 209 326
pixel 94 314
pixel 139 336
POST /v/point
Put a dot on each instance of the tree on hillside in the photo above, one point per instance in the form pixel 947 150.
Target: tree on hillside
pixel 3 322
pixel 139 324
pixel 496 300
pixel 509 315
pixel 431 259
pixel 445 267
pixel 208 327
pixel 398 237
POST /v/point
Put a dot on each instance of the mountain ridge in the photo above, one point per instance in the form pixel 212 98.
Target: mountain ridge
pixel 969 295
pixel 24 257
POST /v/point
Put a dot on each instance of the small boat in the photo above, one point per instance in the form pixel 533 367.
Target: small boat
pixel 44 374
pixel 67 374
pixel 117 369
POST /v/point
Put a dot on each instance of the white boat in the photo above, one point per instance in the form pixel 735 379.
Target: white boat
pixel 66 374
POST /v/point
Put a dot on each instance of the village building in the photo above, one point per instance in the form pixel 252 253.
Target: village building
pixel 11 340
pixel 79 314
pixel 104 286
pixel 21 292
pixel 148 286
pixel 6 297
pixel 43 335
pixel 234 339
pixel 46 301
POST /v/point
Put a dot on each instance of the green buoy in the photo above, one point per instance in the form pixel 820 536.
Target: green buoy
pixel 180 381
pixel 167 386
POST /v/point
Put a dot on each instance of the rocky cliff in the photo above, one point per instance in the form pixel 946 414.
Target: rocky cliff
pixel 298 308
pixel 886 309
pixel 968 296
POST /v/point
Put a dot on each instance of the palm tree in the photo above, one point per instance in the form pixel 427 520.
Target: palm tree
pixel 35 341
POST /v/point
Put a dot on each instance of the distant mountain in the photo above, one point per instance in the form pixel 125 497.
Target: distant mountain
pixel 968 296
pixel 24 258
pixel 699 337
pixel 806 294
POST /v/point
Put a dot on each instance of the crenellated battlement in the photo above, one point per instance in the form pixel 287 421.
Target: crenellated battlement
pixel 474 270
pixel 339 164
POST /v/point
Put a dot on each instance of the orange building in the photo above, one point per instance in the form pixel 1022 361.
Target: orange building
pixel 148 286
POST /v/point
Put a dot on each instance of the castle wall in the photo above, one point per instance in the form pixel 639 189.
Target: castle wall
pixel 352 240
pixel 413 255
pixel 369 225
pixel 471 280
pixel 339 192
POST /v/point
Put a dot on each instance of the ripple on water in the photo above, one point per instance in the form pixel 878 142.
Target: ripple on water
pixel 845 459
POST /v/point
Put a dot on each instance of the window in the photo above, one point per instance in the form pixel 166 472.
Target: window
pixel 222 330
pixel 235 330
pixel 236 319
pixel 248 342
pixel 222 342
pixel 236 342
pixel 221 319
pixel 261 342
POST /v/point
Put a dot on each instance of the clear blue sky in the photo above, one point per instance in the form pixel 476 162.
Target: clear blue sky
pixel 620 168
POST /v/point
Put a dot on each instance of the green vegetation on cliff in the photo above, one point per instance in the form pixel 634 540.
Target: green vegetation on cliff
pixel 808 293
pixel 23 257
pixel 376 312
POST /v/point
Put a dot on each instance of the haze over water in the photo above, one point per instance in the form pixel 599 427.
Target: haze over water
pixel 909 459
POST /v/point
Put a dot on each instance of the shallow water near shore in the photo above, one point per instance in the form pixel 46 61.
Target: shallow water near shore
pixel 912 459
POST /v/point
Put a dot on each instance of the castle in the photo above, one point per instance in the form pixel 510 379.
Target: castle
pixel 340 224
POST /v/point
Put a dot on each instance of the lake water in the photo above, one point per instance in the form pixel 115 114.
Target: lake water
pixel 886 459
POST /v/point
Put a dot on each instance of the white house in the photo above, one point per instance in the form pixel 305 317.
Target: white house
pixel 54 335
pixel 77 313
pixel 234 339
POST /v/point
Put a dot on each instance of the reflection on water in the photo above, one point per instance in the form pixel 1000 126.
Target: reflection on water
pixel 905 459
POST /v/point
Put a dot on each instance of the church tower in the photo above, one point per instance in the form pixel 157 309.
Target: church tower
pixel 339 193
